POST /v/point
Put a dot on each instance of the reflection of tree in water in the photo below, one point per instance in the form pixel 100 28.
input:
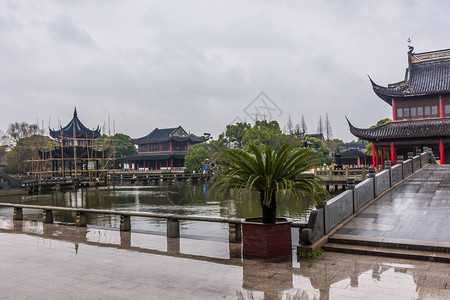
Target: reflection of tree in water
pixel 247 205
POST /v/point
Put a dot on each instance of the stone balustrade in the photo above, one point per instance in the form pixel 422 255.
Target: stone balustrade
pixel 352 201
pixel 173 225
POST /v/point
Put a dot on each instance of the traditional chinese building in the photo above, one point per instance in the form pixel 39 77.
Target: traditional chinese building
pixel 420 110
pixel 77 150
pixel 163 149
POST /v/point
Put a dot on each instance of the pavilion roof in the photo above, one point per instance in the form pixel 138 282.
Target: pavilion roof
pixel 75 126
pixel 428 74
pixel 407 129
pixel 164 135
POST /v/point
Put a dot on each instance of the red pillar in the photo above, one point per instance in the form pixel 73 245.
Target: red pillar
pixel 376 159
pixel 382 158
pixel 393 109
pixel 171 161
pixel 441 149
pixel 440 107
pixel 373 155
pixel 188 145
pixel 393 158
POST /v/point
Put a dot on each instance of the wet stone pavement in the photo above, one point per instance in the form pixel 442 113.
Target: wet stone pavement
pixel 416 210
pixel 43 261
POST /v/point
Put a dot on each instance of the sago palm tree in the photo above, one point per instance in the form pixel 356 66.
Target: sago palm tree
pixel 267 172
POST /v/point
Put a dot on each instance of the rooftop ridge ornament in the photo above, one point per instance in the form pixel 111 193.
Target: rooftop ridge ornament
pixel 411 48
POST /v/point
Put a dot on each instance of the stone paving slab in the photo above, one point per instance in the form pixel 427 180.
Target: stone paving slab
pixel 62 262
pixel 417 210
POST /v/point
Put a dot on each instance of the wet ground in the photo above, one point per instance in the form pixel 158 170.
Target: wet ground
pixel 42 261
pixel 416 210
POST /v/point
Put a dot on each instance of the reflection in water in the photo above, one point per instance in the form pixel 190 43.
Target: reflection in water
pixel 333 276
pixel 178 198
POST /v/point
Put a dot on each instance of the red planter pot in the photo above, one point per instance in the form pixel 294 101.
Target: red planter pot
pixel 266 240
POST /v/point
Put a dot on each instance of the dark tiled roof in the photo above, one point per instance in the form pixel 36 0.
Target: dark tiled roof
pixel 352 153
pixel 422 128
pixel 163 135
pixel 427 77
pixel 81 131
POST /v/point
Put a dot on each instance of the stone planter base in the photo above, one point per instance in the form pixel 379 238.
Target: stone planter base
pixel 266 240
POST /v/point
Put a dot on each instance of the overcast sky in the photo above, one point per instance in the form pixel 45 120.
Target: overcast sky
pixel 150 64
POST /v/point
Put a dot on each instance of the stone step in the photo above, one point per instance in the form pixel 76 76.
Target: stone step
pixel 388 252
pixel 392 243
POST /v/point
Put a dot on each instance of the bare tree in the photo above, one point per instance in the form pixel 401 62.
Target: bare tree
pixel 320 128
pixel 297 131
pixel 304 129
pixel 290 126
pixel 17 131
pixel 328 130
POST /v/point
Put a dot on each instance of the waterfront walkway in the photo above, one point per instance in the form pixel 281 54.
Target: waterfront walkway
pixel 44 261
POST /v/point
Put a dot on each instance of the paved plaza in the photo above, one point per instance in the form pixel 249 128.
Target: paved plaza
pixel 43 261
pixel 416 210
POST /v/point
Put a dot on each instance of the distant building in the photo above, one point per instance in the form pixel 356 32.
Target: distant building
pixel 354 157
pixel 79 151
pixel 420 110
pixel 360 146
pixel 163 149
pixel 318 136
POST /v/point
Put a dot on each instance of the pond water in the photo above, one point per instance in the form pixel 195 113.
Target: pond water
pixel 177 198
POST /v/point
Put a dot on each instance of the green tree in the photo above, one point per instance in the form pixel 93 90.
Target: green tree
pixel 123 145
pixel 196 155
pixel 321 150
pixel 381 122
pixel 234 135
pixel 262 134
pixel 269 172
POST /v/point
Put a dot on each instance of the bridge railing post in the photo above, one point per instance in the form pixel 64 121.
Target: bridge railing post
pixel 48 216
pixel 372 173
pixel 18 213
pixel 173 228
pixel 388 166
pixel 234 230
pixel 125 223
pixel 400 162
pixel 351 183
pixel 81 219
